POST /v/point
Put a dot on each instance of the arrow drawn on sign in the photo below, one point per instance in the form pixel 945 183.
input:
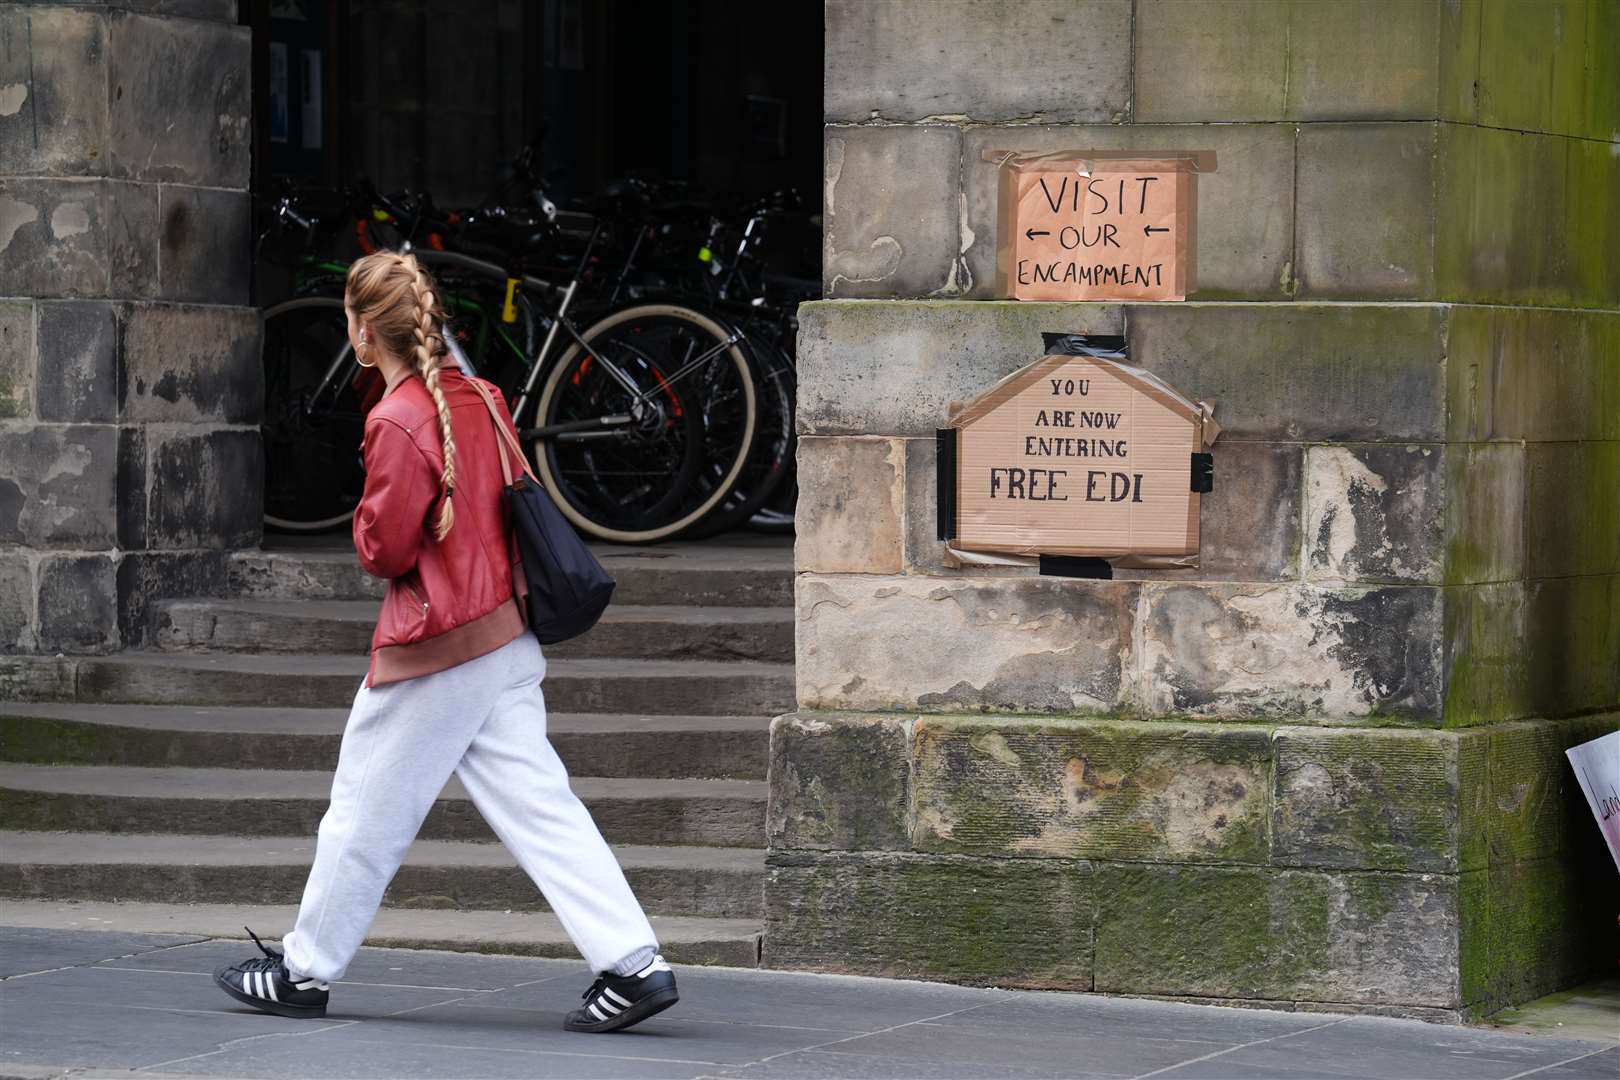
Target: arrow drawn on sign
pixel 1149 230
pixel 1031 234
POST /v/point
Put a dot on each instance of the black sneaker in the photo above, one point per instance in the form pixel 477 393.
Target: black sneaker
pixel 263 983
pixel 615 1002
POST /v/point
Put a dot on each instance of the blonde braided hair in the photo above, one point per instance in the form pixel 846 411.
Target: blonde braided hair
pixel 399 300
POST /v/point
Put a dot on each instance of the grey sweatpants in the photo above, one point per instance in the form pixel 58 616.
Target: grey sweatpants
pixel 485 720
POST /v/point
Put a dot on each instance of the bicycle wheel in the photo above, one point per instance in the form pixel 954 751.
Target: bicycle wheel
pixel 313 425
pixel 772 459
pixel 692 432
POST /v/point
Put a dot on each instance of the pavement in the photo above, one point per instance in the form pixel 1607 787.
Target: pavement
pixel 96 1004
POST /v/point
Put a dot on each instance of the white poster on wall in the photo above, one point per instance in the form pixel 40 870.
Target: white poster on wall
pixel 1597 767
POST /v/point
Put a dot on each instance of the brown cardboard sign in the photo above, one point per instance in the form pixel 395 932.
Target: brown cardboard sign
pixel 1079 454
pixel 1098 225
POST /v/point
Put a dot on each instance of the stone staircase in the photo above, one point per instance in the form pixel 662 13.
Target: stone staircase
pixel 178 787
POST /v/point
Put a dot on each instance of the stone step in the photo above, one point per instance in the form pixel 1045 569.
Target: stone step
pixel 685 687
pixel 345 626
pixel 456 875
pixel 591 744
pixel 682 940
pixel 741 572
pixel 290 802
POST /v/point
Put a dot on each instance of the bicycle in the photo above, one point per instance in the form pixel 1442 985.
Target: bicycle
pixel 639 426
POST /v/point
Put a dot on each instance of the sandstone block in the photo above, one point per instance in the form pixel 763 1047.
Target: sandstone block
pixel 1278 935
pixel 917 59
pixel 851 505
pixel 192 364
pixel 53 238
pixel 1341 68
pixel 53 91
pixel 1539 920
pixel 205 245
pixel 1571 511
pixel 1365 215
pixel 78 604
pixel 207 489
pixel 1366 800
pixel 1524 373
pixel 16 603
pixel 1224 60
pixel 1572 636
pixel 181 103
pixel 78 377
pixel 131 481
pixel 37 678
pixel 1015 922
pixel 1049 644
pixel 1245 239
pixel 1532 792
pixel 1537 67
pixel 1064 788
pixel 131 212
pixel 56 485
pixel 16 359
pixel 838 782
pixel 889 208
pixel 1375 513
pixel 1495 244
pixel 1487 667
pixel 1484 513
pixel 145 578
pixel 1264 60
pixel 1302 372
pixel 1291 652
pixel 894 368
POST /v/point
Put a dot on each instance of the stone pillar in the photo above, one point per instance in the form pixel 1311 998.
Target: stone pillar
pixel 130 458
pixel 1325 767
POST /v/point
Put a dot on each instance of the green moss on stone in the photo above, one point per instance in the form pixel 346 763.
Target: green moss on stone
pixel 1365 800
pixel 1072 788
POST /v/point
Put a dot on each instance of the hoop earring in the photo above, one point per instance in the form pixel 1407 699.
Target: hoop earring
pixel 360 354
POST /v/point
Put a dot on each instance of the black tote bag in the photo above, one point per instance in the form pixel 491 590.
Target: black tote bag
pixel 567 589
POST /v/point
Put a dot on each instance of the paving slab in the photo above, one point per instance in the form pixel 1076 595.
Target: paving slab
pixel 30 950
pixel 433 1014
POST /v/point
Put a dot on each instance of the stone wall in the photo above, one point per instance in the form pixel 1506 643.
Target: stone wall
pixel 1408 317
pixel 130 395
pixel 1420 872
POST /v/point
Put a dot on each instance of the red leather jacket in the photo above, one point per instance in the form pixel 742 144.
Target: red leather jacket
pixel 452 600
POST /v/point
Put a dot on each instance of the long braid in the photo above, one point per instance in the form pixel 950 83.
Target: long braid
pixel 428 342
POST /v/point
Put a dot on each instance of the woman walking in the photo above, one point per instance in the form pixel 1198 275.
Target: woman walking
pixel 453 685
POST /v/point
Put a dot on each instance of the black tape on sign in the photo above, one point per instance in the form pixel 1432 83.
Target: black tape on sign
pixel 1076 566
pixel 1104 346
pixel 1203 472
pixel 945 482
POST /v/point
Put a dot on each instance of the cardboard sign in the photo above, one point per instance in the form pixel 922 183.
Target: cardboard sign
pixel 1083 455
pixel 1597 768
pixel 1098 225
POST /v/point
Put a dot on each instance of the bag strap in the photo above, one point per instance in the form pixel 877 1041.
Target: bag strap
pixel 505 438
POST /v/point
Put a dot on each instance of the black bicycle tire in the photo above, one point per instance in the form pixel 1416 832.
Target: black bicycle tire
pixel 712 325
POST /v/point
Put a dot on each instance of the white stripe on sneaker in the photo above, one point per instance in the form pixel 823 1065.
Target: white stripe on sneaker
pixel 594 1011
pixel 270 984
pixel 615 998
